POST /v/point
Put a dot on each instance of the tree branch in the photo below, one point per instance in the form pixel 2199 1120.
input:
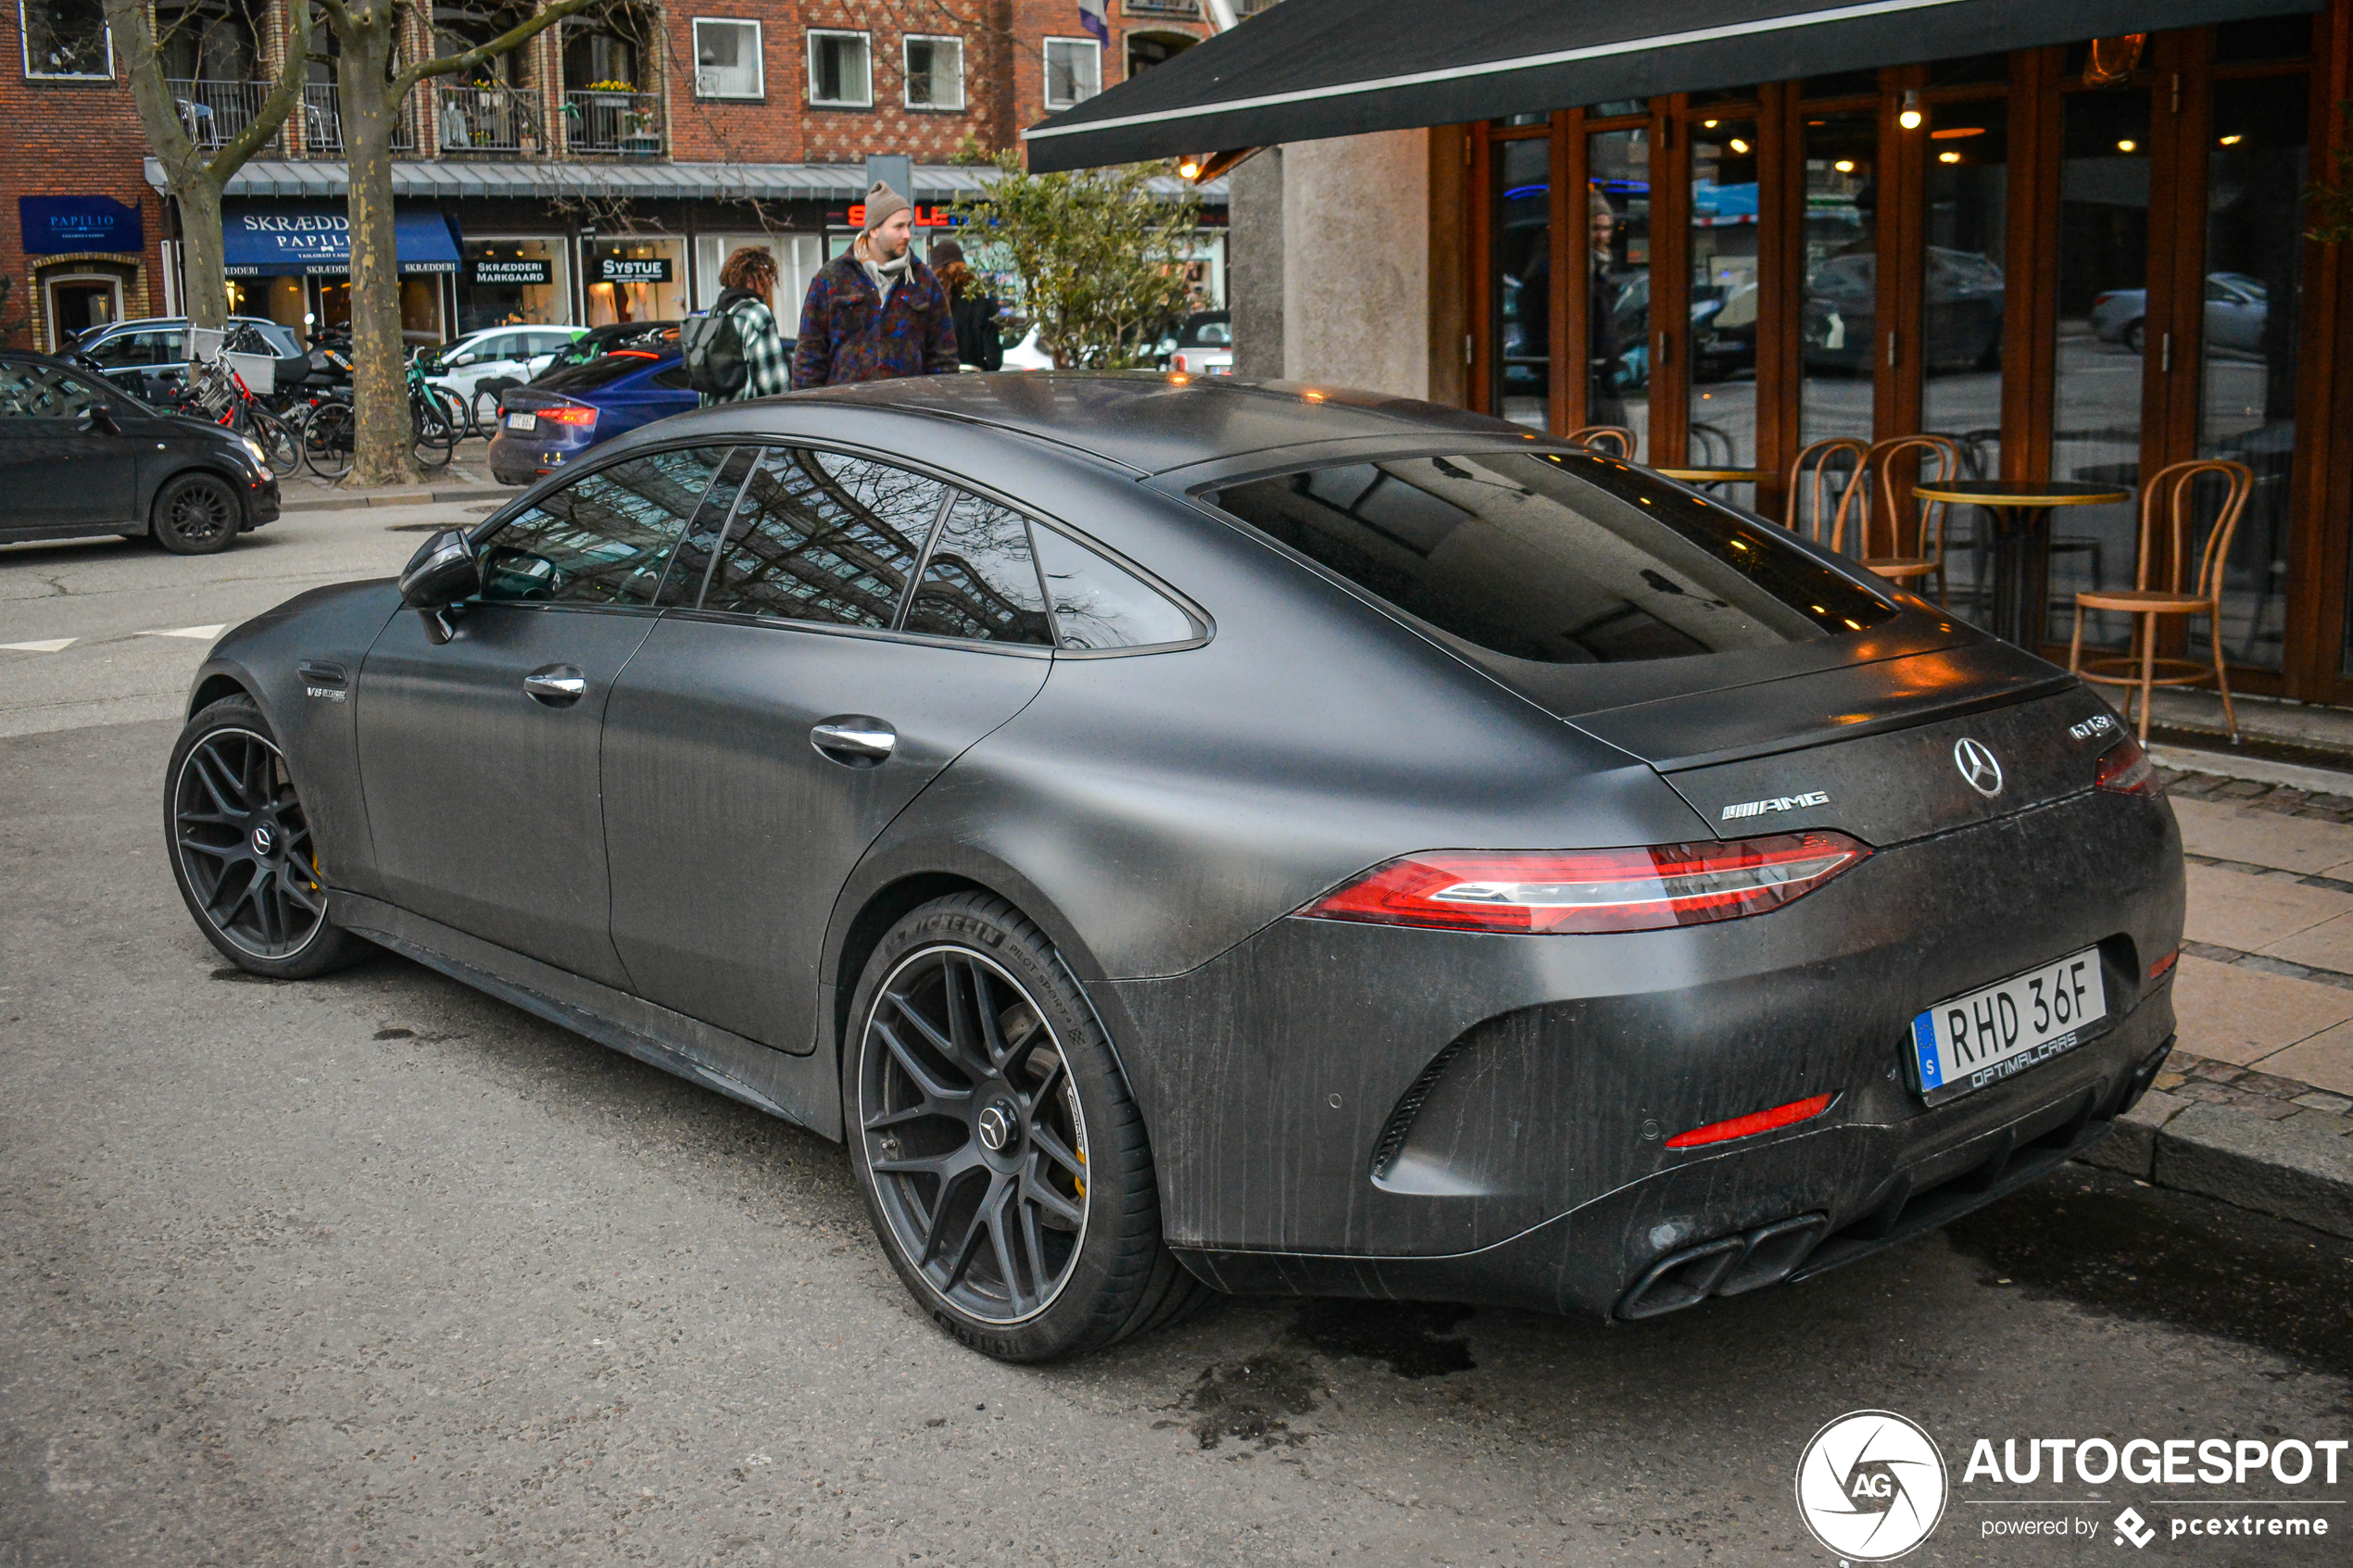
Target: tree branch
pixel 284 93
pixel 513 38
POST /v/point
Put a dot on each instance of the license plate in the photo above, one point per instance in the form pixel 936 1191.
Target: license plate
pixel 522 421
pixel 1986 1036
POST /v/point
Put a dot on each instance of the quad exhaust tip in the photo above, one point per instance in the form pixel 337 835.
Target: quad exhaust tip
pixel 1727 1266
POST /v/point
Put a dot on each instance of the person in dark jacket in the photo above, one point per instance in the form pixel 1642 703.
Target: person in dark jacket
pixel 875 312
pixel 972 311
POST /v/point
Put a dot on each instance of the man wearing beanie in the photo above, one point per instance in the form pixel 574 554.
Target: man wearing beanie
pixel 875 312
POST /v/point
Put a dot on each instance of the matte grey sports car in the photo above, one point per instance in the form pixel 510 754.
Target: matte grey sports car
pixel 1205 835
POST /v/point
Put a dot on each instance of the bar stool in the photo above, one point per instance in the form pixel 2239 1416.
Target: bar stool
pixel 1929 562
pixel 2172 489
pixel 1818 500
pixel 1611 440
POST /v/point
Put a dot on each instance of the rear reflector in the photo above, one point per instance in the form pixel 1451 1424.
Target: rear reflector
pixel 2158 970
pixel 2125 768
pixel 571 414
pixel 1647 888
pixel 1755 1122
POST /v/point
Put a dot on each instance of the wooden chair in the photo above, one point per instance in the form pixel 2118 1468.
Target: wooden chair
pixel 2173 490
pixel 1818 499
pixel 1611 440
pixel 1939 457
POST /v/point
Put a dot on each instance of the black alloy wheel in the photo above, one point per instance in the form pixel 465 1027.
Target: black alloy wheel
pixel 195 515
pixel 1002 1155
pixel 243 849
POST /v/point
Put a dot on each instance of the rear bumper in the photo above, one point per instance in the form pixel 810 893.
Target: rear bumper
pixel 1362 1110
pixel 518 458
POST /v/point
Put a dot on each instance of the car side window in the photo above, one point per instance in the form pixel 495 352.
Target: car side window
pixel 690 563
pixel 127 348
pixel 1098 605
pixel 604 539
pixel 981 580
pixel 824 536
pixel 42 392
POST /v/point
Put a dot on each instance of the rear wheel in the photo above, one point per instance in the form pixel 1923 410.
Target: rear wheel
pixel 243 850
pixel 280 444
pixel 1003 1158
pixel 2136 336
pixel 327 443
pixel 197 514
pixel 438 427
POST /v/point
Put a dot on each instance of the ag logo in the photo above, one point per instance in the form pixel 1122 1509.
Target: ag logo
pixel 1870 1485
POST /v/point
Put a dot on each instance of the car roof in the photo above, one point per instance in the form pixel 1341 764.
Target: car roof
pixel 1151 422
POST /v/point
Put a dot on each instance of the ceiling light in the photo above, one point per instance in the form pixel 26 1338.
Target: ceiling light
pixel 1844 166
pixel 2233 139
pixel 1738 146
pixel 1911 117
pixel 1950 132
pixel 1948 157
pixel 2127 144
pixel 1708 123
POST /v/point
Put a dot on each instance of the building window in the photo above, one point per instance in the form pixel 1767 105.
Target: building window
pixel 935 73
pixel 65 38
pixel 728 61
pixel 841 71
pixel 1074 71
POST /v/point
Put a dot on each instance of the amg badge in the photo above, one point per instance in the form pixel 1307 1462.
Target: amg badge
pixel 1778 803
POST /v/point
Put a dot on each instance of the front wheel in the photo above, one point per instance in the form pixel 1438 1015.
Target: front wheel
pixel 1002 1158
pixel 328 442
pixel 280 445
pixel 243 850
pixel 197 514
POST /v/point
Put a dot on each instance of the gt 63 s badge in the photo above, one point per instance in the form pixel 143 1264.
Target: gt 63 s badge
pixel 1871 1485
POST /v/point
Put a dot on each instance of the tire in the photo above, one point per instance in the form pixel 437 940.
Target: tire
pixel 197 514
pixel 241 850
pixel 328 440
pixel 438 431
pixel 484 409
pixel 1075 1260
pixel 2136 336
pixel 280 444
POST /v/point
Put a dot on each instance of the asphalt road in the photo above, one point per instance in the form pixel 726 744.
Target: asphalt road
pixel 375 1269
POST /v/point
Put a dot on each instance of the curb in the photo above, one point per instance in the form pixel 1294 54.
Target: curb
pixel 2257 770
pixel 394 498
pixel 2275 1168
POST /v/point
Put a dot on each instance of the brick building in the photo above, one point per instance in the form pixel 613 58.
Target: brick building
pixel 598 173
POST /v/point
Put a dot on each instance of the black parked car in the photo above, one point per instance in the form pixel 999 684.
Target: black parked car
pixel 79 456
pixel 1230 835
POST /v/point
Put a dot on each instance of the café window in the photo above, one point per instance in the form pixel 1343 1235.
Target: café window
pixel 504 283
pixel 841 70
pixel 65 38
pixel 636 279
pixel 727 62
pixel 935 73
pixel 1074 71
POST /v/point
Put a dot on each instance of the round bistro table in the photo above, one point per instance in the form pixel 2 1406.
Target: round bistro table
pixel 1718 476
pixel 2020 510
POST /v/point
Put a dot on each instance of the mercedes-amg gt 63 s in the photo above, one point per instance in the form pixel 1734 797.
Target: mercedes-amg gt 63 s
pixel 1193 835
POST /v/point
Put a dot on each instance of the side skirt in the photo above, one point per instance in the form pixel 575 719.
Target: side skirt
pixel 801 1090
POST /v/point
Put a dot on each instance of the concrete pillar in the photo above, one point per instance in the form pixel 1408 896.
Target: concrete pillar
pixel 1254 276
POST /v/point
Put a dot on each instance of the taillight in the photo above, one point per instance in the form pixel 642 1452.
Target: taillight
pixel 2125 768
pixel 571 414
pixel 1591 890
pixel 1178 362
pixel 1753 1123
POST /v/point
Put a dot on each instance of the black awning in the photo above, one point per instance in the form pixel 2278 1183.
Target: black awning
pixel 1310 69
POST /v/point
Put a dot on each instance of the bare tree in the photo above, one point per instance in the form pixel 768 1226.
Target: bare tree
pixel 370 86
pixel 193 179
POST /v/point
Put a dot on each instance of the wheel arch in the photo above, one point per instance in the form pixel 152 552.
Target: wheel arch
pixel 213 686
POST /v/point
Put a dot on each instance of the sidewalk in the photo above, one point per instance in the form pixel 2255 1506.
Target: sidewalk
pixel 2255 1107
pixel 466 479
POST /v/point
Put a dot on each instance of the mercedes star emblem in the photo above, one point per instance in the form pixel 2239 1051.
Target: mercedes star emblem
pixel 1977 766
pixel 995 1128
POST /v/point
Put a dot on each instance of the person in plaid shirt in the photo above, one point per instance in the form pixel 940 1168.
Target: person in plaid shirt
pixel 874 311
pixel 745 284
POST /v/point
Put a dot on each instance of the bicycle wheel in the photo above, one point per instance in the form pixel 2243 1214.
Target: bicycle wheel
pixel 327 441
pixel 434 436
pixel 280 446
pixel 484 411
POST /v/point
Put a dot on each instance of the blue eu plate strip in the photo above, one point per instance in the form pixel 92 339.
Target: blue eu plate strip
pixel 1924 1042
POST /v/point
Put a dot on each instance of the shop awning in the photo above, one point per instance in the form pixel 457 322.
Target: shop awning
pixel 291 242
pixel 428 180
pixel 1310 68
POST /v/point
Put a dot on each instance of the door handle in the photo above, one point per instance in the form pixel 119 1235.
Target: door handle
pixel 855 740
pixel 557 685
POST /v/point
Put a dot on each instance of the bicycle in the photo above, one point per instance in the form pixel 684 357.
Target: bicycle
pixel 439 418
pixel 214 390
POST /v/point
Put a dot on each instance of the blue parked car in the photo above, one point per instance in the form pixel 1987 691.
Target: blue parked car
pixel 552 423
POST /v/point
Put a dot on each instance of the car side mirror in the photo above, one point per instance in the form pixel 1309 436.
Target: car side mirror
pixel 461 362
pixel 101 419
pixel 442 574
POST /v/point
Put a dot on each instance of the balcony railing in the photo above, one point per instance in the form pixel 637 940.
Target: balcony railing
pixel 322 123
pixel 601 121
pixel 487 117
pixel 217 112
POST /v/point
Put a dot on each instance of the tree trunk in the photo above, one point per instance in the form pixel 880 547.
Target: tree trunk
pixel 202 254
pixel 386 450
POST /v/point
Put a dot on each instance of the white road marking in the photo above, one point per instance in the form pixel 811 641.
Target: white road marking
pixel 49 645
pixel 204 634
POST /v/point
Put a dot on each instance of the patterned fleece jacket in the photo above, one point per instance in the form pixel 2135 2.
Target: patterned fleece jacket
pixel 848 333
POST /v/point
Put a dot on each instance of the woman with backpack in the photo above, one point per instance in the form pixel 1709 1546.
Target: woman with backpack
pixel 747 284
pixel 973 312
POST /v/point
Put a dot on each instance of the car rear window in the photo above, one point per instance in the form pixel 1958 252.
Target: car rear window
pixel 600 371
pixel 1557 558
